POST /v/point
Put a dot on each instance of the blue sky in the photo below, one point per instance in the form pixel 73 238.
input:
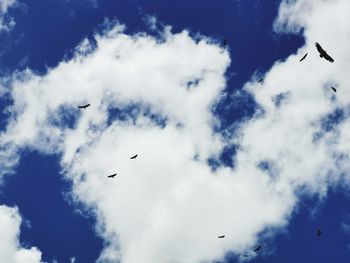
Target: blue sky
pixel 66 218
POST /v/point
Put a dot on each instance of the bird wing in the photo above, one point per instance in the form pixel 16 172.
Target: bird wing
pixel 257 249
pixel 319 48
pixel 303 57
pixel 83 106
pixel 328 57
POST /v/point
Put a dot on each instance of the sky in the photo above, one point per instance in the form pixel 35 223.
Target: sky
pixel 264 163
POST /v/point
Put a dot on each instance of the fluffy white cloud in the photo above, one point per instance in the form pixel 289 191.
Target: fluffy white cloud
pixel 6 24
pixel 168 205
pixel 10 250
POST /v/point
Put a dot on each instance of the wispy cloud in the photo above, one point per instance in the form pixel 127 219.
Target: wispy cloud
pixel 345 224
pixel 6 22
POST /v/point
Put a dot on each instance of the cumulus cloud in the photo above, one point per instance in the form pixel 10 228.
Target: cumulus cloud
pixel 10 250
pixel 154 97
pixel 6 23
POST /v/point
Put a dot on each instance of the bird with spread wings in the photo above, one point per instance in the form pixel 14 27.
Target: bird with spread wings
pixel 323 53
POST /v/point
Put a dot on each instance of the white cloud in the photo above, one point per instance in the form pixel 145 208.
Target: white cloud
pixel 168 205
pixel 10 250
pixel 6 23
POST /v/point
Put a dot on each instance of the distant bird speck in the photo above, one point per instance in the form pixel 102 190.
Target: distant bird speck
pixel 334 89
pixel 112 175
pixel 304 57
pixel 83 106
pixel 221 236
pixel 133 157
pixel 319 232
pixel 257 249
pixel 260 80
pixel 323 53
pixel 225 42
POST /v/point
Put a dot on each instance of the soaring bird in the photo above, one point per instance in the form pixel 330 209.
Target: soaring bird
pixel 221 236
pixel 133 157
pixel 319 232
pixel 112 175
pixel 257 249
pixel 334 89
pixel 323 53
pixel 304 57
pixel 83 106
pixel 260 80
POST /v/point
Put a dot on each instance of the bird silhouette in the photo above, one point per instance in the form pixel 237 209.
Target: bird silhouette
pixel 221 236
pixel 257 249
pixel 319 232
pixel 334 89
pixel 112 175
pixel 133 157
pixel 323 53
pixel 260 80
pixel 83 106
pixel 304 57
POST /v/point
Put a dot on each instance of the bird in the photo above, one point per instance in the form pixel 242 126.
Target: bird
pixel 304 57
pixel 323 53
pixel 221 236
pixel 225 42
pixel 83 106
pixel 260 80
pixel 319 232
pixel 133 157
pixel 334 89
pixel 112 175
pixel 257 249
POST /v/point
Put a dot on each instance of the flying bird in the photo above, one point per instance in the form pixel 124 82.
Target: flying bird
pixel 133 157
pixel 221 236
pixel 225 42
pixel 319 232
pixel 304 57
pixel 83 106
pixel 260 80
pixel 323 53
pixel 334 89
pixel 112 175
pixel 257 249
